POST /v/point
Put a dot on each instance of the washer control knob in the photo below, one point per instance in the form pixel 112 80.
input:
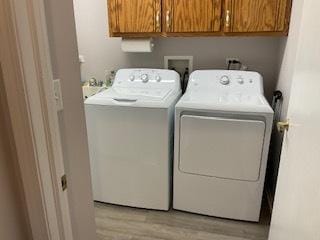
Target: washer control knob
pixel 240 80
pixel 132 78
pixel 224 80
pixel 144 78
pixel 158 78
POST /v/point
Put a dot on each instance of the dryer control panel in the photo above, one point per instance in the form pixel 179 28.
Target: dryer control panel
pixel 226 81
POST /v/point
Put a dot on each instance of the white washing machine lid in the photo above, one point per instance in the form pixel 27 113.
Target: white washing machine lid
pixel 130 96
pixel 140 88
pixel 140 94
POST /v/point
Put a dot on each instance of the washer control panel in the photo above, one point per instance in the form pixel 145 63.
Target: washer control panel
pixel 147 75
pixel 147 78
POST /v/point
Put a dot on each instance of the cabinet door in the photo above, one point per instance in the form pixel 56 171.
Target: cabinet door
pixel 192 16
pixel 245 16
pixel 134 16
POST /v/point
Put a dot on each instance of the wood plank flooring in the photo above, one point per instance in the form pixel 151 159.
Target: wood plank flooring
pixel 125 223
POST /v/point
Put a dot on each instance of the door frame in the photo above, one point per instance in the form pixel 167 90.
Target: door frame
pixel 28 87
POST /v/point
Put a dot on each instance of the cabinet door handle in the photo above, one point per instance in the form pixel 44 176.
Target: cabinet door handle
pixel 158 20
pixel 228 19
pixel 168 20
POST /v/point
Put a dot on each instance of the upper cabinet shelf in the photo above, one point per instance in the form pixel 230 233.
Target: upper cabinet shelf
pixel 147 18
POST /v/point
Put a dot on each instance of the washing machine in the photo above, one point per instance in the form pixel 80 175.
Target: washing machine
pixel 130 133
pixel 222 131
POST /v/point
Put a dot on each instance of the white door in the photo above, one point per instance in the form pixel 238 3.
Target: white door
pixel 296 213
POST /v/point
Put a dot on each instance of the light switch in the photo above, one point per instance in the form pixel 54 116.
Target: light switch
pixel 58 94
pixel 81 59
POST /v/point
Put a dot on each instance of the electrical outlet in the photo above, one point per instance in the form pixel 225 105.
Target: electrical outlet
pixel 231 59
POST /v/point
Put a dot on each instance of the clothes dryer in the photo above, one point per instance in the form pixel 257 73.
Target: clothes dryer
pixel 222 131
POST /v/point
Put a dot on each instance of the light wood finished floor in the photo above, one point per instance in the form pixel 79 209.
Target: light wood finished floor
pixel 125 223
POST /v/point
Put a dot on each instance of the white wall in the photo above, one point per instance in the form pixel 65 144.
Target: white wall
pixel 103 53
pixel 287 57
pixel 64 54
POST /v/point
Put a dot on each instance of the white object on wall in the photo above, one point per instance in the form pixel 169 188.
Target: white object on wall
pixel 137 45
pixel 81 59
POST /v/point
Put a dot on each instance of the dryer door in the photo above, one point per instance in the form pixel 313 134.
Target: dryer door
pixel 221 147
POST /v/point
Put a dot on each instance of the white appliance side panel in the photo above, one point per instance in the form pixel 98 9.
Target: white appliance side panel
pixel 221 147
pixel 129 155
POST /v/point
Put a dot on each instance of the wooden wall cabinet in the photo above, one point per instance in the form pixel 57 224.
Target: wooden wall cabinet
pixel 147 18
pixel 257 16
pixel 192 16
pixel 134 17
